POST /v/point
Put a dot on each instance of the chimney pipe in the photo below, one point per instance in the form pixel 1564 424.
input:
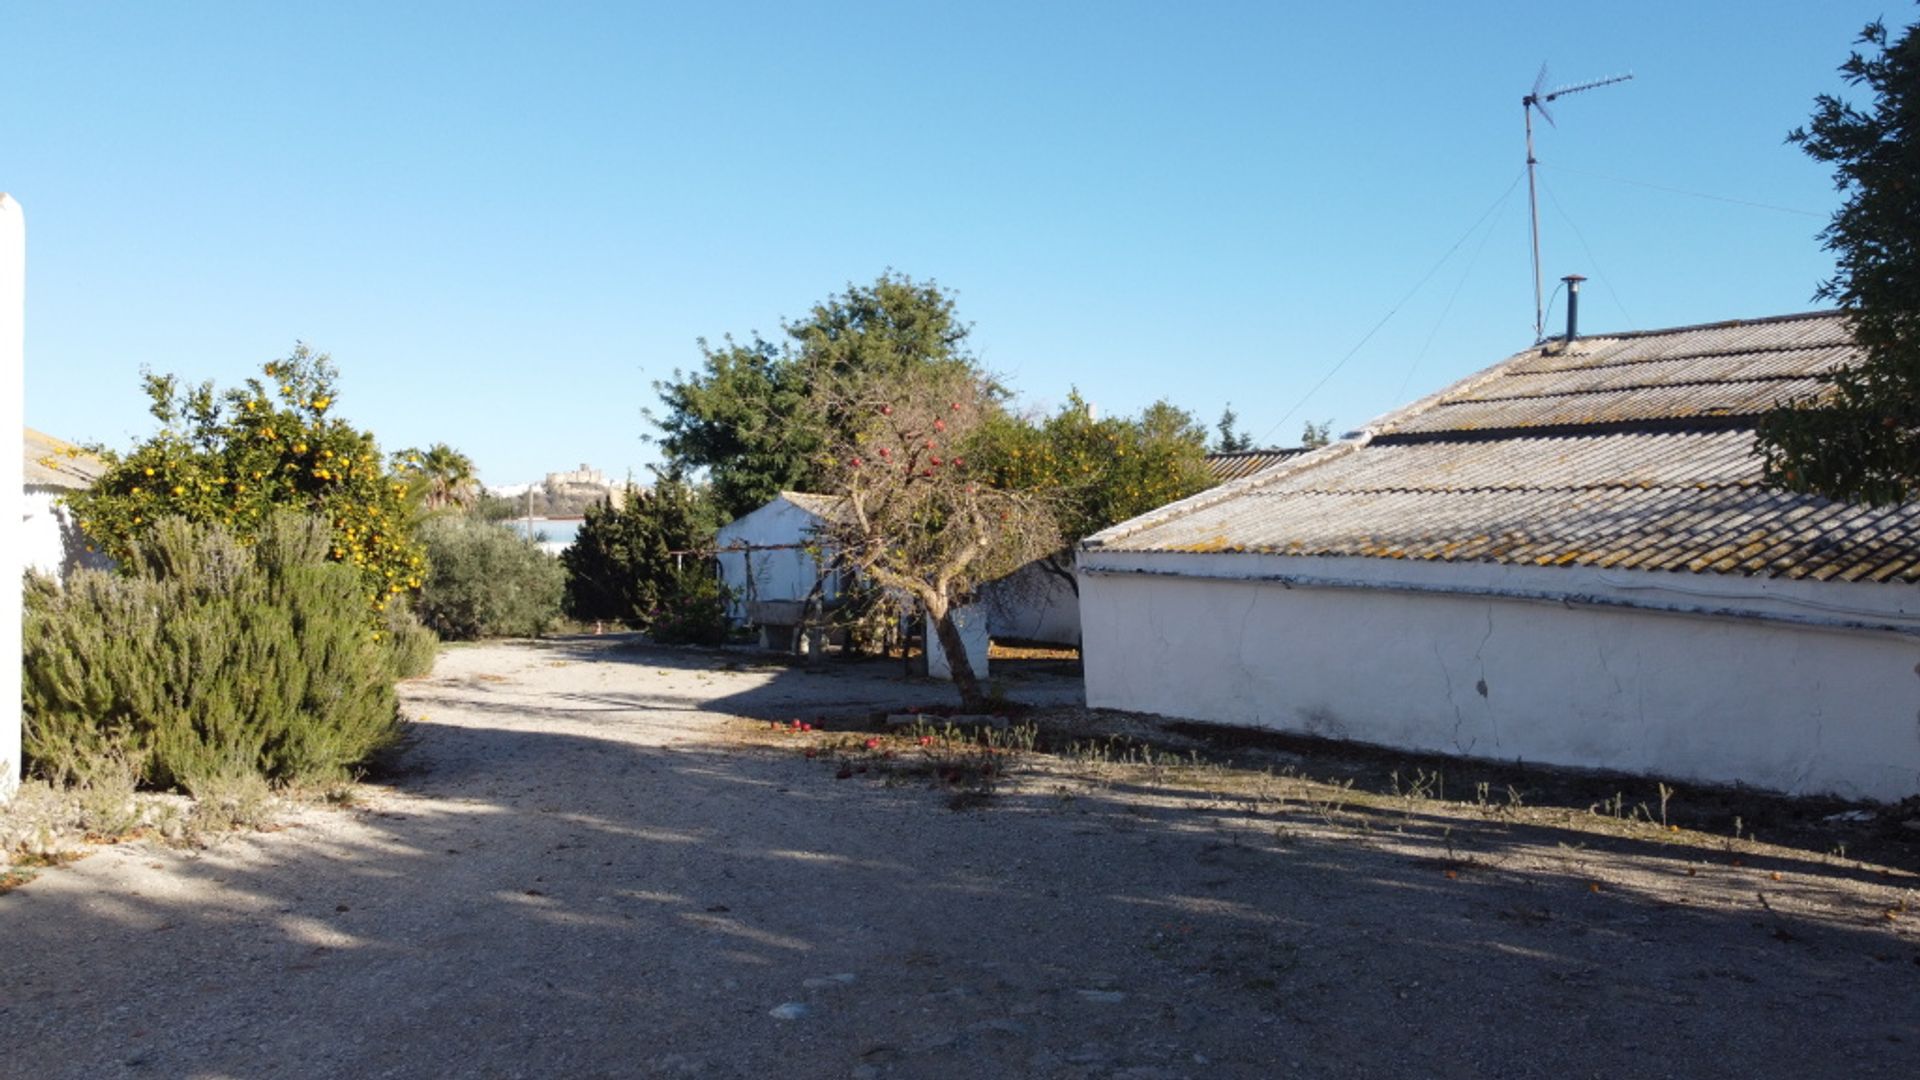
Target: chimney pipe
pixel 1573 305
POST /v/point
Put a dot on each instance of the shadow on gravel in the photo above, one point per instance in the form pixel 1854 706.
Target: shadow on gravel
pixel 568 904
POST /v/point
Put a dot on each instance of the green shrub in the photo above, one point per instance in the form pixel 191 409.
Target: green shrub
pixel 485 581
pixel 621 564
pixel 207 660
pixel 414 646
pixel 692 610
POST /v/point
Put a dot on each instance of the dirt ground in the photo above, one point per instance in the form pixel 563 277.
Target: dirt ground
pixel 603 860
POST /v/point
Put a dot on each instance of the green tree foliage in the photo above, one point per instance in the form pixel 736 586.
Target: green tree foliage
pixel 486 581
pixel 622 565
pixel 693 608
pixel 233 459
pixel 1096 472
pixel 1314 436
pixel 208 658
pixel 750 416
pixel 440 476
pixel 1860 439
pixel 1231 440
pixel 490 507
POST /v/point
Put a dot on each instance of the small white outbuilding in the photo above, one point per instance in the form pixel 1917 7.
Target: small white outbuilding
pixel 774 558
pixel 1568 558
pixel 773 553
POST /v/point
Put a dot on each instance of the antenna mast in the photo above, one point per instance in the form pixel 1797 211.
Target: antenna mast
pixel 1538 100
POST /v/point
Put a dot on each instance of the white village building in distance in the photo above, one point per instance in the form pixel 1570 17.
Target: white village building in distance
pixel 1567 558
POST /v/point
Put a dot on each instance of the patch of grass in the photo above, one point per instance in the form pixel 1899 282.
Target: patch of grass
pixel 228 801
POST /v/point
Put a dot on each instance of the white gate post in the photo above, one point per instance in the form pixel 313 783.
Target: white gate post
pixel 13 389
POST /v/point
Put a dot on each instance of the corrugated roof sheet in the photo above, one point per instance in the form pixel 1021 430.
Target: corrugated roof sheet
pixel 821 506
pixel 1235 464
pixel 51 462
pixel 1473 473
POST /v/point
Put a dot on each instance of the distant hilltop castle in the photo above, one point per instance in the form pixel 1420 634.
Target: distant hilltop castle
pixel 584 476
pixel 572 490
pixel 562 494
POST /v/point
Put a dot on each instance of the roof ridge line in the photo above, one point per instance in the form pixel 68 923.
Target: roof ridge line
pixel 1629 386
pixel 1695 423
pixel 1837 343
pixel 1719 324
pixel 1690 485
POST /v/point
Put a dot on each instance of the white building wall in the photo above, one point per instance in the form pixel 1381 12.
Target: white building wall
pixel 1576 680
pixel 787 573
pixel 972 622
pixel 1033 604
pixel 50 543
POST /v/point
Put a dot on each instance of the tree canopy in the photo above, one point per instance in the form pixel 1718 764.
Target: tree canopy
pixel 1231 440
pixel 232 459
pixel 441 476
pixel 1096 472
pixel 750 415
pixel 1860 439
pixel 622 564
pixel 919 518
pixel 875 398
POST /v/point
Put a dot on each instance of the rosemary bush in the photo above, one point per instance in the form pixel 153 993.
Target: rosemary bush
pixel 207 659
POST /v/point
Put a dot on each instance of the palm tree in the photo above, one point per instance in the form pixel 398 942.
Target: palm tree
pixel 445 476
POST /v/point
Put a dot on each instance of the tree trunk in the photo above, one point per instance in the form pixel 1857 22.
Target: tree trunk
pixel 961 668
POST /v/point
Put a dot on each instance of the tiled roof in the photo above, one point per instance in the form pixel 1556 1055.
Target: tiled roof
pixel 1633 451
pixel 1235 464
pixel 51 462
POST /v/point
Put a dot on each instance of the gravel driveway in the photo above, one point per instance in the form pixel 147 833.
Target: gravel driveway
pixel 596 868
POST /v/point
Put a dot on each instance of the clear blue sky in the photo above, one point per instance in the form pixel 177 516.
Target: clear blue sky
pixel 505 221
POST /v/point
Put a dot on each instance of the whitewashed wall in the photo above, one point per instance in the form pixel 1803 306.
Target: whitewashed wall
pixel 1572 680
pixel 50 543
pixel 768 575
pixel 972 622
pixel 1033 604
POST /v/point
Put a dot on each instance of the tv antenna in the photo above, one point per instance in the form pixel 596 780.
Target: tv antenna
pixel 1538 100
